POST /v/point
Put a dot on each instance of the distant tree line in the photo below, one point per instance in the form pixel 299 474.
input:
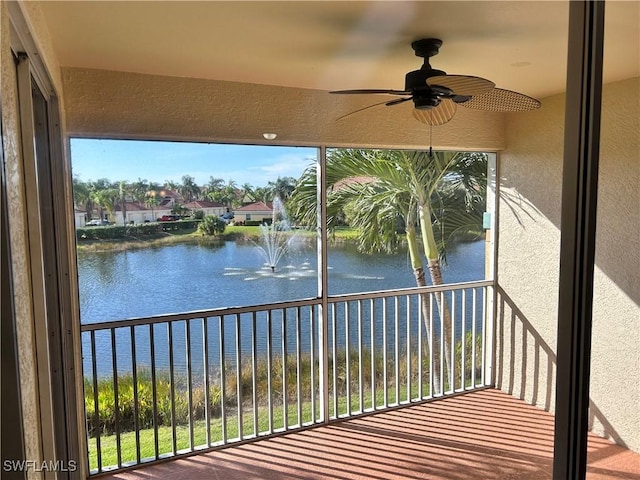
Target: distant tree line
pixel 104 196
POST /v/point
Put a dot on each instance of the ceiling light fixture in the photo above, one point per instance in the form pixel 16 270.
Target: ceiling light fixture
pixel 270 136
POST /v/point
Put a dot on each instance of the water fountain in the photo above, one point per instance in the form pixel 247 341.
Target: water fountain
pixel 276 238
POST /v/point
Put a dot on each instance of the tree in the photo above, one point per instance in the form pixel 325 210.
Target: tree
pixel 82 196
pixel 283 187
pixel 431 198
pixel 188 188
pixel 123 192
pixel 151 200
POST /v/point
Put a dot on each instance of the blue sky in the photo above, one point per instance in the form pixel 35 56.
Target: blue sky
pixel 129 160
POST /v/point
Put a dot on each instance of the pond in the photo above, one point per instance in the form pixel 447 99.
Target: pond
pixel 188 277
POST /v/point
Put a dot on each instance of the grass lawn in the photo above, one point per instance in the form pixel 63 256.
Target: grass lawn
pixel 108 444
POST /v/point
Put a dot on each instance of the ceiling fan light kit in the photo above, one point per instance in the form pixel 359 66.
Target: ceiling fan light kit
pixel 435 94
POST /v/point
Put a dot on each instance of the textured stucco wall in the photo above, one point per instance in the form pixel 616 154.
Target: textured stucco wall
pixel 32 29
pixel 21 281
pixel 116 104
pixel 528 261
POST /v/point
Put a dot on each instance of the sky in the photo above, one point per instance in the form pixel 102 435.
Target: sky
pixel 154 161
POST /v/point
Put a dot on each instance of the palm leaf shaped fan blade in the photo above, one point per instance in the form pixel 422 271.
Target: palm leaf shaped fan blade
pixel 435 94
pixel 500 100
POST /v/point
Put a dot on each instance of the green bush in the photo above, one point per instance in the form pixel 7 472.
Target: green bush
pixel 115 232
pixel 211 225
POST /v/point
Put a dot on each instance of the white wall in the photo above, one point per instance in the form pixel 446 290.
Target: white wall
pixel 528 261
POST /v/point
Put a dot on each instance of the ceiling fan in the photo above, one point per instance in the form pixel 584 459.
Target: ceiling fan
pixel 436 95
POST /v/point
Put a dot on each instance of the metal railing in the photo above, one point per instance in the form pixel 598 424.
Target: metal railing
pixel 177 384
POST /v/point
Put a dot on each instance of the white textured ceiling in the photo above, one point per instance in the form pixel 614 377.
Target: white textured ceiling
pixel 325 45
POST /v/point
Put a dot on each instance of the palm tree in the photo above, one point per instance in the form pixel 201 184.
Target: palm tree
pixel 151 201
pixel 188 188
pixel 123 192
pixel 434 198
pixel 283 187
pixel 82 196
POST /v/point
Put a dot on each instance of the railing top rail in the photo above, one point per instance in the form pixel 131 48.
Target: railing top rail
pixel 216 312
pixel 409 291
pixel 226 311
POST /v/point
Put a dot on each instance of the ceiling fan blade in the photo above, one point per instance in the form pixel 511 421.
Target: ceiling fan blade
pixel 361 109
pixel 500 100
pixel 386 102
pixel 438 115
pixel 465 85
pixel 397 101
pixel 371 92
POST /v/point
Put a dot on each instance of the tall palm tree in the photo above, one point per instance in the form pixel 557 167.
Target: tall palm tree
pixel 123 193
pixel 82 196
pixel 151 200
pixel 188 188
pixel 432 198
pixel 282 187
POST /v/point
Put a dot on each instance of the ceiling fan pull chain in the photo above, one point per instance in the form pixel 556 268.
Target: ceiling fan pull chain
pixel 430 142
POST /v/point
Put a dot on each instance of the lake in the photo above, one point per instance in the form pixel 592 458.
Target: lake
pixel 186 277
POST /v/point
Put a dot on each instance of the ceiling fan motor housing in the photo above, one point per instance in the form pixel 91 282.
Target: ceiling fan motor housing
pixel 424 97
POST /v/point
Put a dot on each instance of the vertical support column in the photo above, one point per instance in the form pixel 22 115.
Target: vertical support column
pixel 490 293
pixel 323 339
pixel 577 246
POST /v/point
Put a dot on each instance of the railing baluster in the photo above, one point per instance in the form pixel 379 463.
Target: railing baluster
pixel 347 356
pixel 154 391
pixel 408 348
pixel 239 401
pixel 187 335
pixel 285 409
pixel 334 349
pixel 360 364
pixel 298 367
pixel 484 334
pixel 254 378
pixel 134 378
pixel 385 389
pixel 463 369
pixel 442 352
pixel 421 325
pixel 172 389
pixel 207 395
pixel 96 411
pixel 223 382
pixel 269 370
pixel 373 353
pixel 452 370
pixel 116 396
pixel 432 365
pixel 473 340
pixel 312 354
pixel 396 325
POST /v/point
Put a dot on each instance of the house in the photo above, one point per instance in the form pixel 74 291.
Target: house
pixel 244 69
pixel 209 208
pixel 254 212
pixel 135 212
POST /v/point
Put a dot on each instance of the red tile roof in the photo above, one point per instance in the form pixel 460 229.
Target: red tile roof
pixel 255 207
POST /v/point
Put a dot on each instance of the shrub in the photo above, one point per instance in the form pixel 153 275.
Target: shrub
pixel 211 225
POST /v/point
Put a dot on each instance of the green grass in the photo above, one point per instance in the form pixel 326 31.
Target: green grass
pixel 106 423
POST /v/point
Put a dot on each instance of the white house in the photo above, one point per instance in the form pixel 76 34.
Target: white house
pixel 257 211
pixel 209 208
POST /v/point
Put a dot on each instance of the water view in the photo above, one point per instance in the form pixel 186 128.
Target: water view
pixel 187 277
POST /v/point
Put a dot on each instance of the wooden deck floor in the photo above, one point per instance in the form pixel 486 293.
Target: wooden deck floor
pixel 481 435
